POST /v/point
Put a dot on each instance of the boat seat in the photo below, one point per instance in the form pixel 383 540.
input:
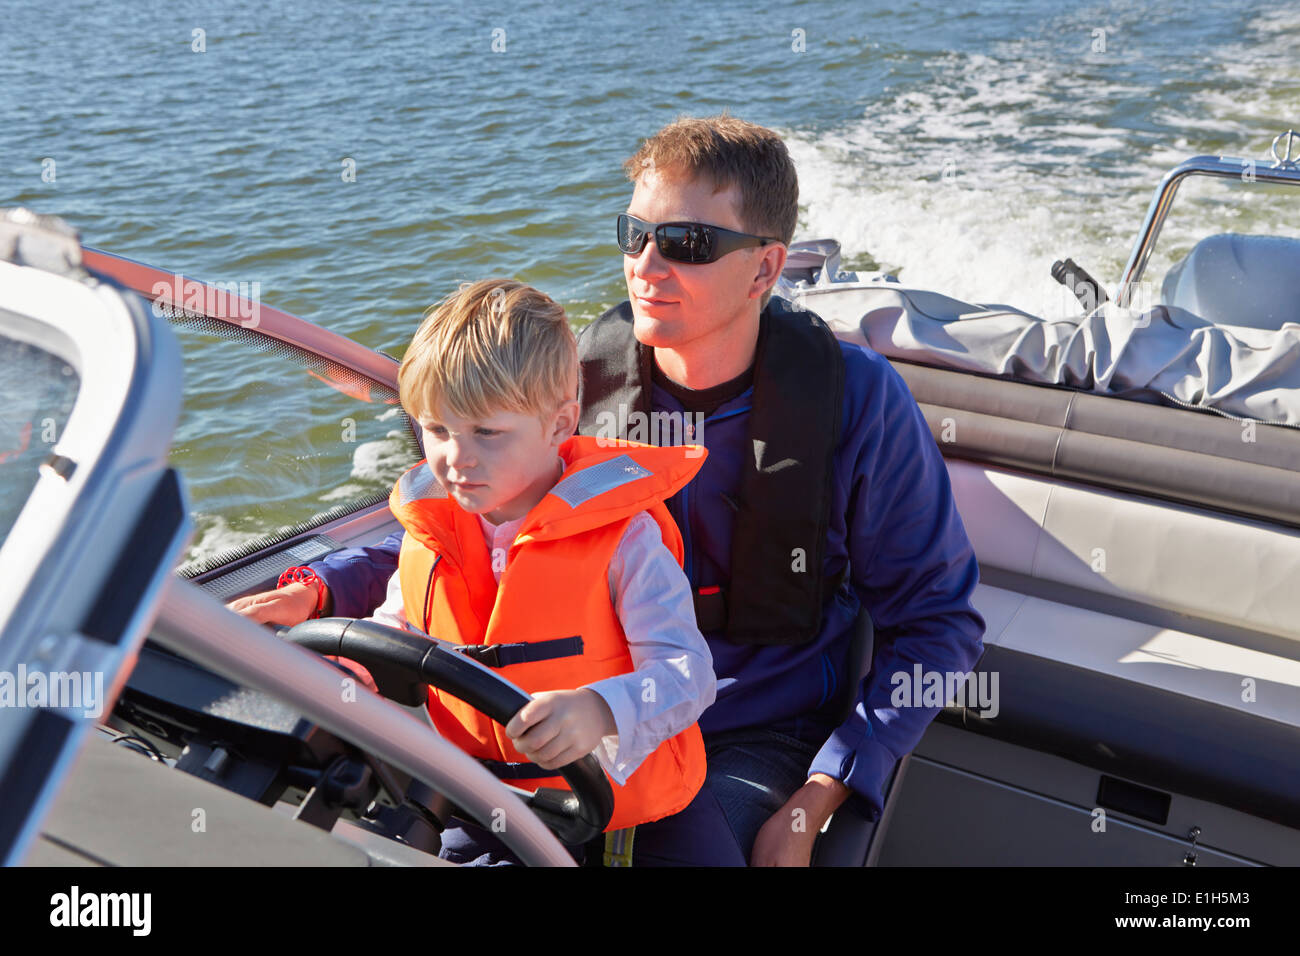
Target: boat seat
pixel 1235 279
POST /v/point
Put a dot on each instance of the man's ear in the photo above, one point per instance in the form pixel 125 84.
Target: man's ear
pixel 769 265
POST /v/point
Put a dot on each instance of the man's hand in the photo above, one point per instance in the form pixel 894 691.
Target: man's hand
pixel 560 726
pixel 787 837
pixel 289 605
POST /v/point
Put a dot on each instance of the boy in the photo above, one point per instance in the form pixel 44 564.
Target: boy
pixel 555 550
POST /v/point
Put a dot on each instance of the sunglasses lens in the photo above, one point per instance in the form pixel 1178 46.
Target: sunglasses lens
pixel 631 237
pixel 690 242
pixel 686 243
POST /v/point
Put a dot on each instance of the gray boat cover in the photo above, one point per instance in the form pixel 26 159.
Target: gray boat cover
pixel 1236 370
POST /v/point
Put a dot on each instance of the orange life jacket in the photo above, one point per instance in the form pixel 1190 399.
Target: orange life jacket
pixel 555 587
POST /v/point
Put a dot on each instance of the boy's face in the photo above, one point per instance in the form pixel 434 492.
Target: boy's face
pixel 677 305
pixel 499 466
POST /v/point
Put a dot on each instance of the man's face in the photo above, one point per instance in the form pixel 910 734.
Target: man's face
pixel 674 303
pixel 499 466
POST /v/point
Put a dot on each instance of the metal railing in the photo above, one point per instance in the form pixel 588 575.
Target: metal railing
pixel 1284 170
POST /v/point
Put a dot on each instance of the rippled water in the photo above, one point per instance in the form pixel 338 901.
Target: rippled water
pixel 965 146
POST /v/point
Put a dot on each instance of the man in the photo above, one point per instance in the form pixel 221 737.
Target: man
pixel 823 493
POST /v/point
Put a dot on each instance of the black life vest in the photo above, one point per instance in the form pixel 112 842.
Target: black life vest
pixel 778 587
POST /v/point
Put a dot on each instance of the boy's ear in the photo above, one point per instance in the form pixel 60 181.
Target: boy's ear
pixel 566 421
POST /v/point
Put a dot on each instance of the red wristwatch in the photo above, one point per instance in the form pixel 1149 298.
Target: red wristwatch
pixel 305 576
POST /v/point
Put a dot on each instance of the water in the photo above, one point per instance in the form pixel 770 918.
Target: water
pixel 963 146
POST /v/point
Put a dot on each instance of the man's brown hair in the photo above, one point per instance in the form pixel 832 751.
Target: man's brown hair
pixel 730 151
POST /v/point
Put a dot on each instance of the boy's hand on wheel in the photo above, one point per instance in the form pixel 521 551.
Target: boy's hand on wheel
pixel 289 605
pixel 558 727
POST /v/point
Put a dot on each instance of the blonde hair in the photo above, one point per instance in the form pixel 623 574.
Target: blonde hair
pixel 493 345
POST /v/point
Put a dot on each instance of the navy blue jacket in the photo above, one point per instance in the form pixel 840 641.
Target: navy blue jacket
pixel 893 523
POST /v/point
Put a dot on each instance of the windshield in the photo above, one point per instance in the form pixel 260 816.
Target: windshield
pixel 274 440
pixel 37 392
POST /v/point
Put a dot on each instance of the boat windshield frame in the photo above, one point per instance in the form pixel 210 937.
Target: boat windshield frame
pixel 1282 171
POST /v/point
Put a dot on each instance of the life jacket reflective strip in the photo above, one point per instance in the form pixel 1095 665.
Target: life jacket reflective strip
pixel 555 586
pixel 778 586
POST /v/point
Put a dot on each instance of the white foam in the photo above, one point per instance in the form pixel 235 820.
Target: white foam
pixel 213 535
pixel 976 181
pixel 383 460
pixel 345 492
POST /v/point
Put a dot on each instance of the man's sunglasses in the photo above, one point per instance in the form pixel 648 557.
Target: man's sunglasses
pixel 692 242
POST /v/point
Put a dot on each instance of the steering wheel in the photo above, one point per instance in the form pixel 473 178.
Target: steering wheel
pixel 403 663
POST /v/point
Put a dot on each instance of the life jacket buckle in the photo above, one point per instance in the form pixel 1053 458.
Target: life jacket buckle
pixel 489 655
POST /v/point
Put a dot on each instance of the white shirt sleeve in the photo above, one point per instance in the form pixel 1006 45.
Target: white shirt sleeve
pixel 672 681
pixel 393 611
